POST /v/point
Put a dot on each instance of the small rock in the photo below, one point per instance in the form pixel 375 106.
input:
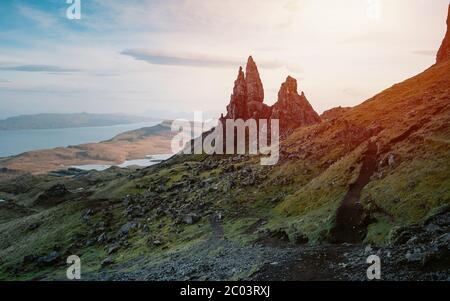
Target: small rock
pixel 391 160
pixel 414 257
pixel 126 228
pixel 368 250
pixel 102 238
pixel 412 241
pixel 107 261
pixel 33 226
pixel 157 242
pixel 112 249
pixel 190 219
pixel 51 258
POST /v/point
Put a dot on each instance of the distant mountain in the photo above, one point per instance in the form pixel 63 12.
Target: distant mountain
pixel 57 121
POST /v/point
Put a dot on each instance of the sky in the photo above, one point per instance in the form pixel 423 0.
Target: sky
pixel 176 56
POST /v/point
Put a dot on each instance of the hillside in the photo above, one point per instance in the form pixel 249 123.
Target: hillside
pixel 372 179
pixel 58 121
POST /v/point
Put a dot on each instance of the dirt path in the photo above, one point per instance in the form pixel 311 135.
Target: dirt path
pixel 215 258
pixel 349 224
pixel 308 263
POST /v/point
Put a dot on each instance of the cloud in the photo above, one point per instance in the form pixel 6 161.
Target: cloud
pixel 191 60
pixel 3 81
pixel 38 16
pixel 38 68
pixel 353 92
pixel 425 52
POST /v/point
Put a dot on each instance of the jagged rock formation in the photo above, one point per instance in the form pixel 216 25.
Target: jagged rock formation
pixel 248 95
pixel 444 51
pixel 247 101
pixel 293 110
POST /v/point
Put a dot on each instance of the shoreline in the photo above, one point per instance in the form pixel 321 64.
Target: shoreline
pixel 140 163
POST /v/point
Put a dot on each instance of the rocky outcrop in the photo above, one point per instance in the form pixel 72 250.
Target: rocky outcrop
pixel 52 196
pixel 238 103
pixel 293 110
pixel 444 51
pixel 334 113
pixel 247 101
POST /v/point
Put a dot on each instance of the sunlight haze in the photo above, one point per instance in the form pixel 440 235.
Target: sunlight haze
pixel 180 56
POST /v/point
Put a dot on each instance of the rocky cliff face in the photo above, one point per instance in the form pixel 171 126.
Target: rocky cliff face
pixel 247 101
pixel 444 51
pixel 293 110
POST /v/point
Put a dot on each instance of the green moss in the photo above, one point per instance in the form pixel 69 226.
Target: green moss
pixel 378 233
pixel 237 230
pixel 410 191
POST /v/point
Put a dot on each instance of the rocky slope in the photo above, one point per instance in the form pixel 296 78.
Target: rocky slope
pixel 374 179
pixel 334 113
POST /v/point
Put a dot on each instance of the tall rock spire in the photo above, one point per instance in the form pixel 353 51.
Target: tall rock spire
pixel 293 110
pixel 238 103
pixel 248 95
pixel 255 90
pixel 444 51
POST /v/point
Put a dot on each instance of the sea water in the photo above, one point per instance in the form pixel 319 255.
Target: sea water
pixel 14 142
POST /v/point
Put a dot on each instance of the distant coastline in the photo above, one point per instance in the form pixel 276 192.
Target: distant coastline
pixel 16 142
pixel 128 145
pixel 72 120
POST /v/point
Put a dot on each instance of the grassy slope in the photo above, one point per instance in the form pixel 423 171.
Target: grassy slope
pixel 419 179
